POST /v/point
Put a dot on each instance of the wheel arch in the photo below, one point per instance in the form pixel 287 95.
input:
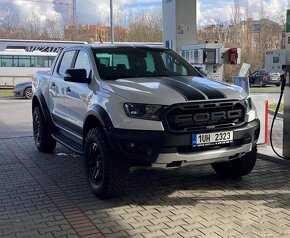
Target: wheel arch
pixel 96 117
pixel 39 100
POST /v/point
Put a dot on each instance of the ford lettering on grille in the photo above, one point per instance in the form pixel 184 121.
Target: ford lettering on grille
pixel 203 117
pixel 217 116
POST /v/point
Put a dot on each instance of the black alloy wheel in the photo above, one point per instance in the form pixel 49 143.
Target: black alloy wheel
pixel 36 128
pixel 96 163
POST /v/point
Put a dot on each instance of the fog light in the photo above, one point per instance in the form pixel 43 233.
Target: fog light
pixel 137 147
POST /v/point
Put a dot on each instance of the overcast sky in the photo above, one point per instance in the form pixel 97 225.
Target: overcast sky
pixel 97 11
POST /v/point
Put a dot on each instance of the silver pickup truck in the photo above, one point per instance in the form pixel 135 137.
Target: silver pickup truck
pixel 126 105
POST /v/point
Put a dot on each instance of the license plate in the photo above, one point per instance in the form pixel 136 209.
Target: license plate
pixel 215 138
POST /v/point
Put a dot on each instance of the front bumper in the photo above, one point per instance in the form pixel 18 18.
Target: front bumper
pixel 164 149
pixel 275 82
pixel 203 157
pixel 17 93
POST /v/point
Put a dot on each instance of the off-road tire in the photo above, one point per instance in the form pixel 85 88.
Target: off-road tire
pixel 106 173
pixel 41 132
pixel 237 167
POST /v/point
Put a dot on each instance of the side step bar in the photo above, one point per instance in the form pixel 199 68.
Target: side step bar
pixel 75 145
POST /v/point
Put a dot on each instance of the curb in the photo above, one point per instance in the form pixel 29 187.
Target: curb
pixel 265 152
pixel 279 114
pixel 7 98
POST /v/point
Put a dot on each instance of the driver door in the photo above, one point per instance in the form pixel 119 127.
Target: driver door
pixel 78 94
pixel 57 89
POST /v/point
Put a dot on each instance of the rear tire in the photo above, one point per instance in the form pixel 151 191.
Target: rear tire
pixel 41 132
pixel 28 93
pixel 106 173
pixel 237 167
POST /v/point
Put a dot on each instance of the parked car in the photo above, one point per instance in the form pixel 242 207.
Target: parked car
pixel 262 77
pixel 275 77
pixel 23 90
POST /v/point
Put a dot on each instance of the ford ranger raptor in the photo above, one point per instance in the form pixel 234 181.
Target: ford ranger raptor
pixel 125 105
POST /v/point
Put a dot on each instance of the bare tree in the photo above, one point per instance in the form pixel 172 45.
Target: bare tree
pixel 146 27
pixel 9 24
pixel 53 28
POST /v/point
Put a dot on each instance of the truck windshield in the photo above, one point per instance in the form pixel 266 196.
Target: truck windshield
pixel 135 62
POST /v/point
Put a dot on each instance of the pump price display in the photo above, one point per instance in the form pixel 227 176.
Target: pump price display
pixel 216 138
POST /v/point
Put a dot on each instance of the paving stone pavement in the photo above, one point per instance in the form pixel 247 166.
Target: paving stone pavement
pixel 46 195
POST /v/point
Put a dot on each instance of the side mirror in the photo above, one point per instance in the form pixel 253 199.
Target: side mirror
pixel 76 76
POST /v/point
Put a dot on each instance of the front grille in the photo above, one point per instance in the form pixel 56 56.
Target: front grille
pixel 195 117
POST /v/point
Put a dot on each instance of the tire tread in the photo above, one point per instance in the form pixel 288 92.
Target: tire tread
pixel 116 169
pixel 238 167
pixel 47 143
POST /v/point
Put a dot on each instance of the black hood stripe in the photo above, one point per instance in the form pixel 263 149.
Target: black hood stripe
pixel 186 91
pixel 210 92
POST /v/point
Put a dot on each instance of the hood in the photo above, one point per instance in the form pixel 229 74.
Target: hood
pixel 170 90
pixel 23 84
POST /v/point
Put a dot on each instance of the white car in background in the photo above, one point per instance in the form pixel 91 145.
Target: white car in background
pixel 274 77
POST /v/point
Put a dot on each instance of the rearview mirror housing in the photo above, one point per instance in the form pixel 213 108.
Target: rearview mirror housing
pixel 76 76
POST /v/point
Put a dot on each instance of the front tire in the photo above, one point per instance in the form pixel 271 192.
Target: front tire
pixel 237 167
pixel 41 132
pixel 106 174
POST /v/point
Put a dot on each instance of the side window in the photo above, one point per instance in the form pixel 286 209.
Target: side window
pixel 66 62
pixel 23 61
pixel 255 74
pixel 6 61
pixel 83 62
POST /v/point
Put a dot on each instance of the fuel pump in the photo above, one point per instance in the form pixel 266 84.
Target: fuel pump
pixel 284 86
pixel 286 121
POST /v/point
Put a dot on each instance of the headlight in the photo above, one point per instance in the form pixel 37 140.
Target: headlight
pixel 248 103
pixel 144 111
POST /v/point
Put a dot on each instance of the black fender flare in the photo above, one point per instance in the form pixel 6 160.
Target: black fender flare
pixel 38 99
pixel 101 114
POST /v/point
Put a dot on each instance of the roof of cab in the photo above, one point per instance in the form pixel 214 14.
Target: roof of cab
pixel 118 45
pixel 114 45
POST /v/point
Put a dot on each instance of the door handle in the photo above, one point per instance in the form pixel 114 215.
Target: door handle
pixel 67 89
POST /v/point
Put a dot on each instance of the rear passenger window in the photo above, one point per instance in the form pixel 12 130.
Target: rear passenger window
pixel 66 62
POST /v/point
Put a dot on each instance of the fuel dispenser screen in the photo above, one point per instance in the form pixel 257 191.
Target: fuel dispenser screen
pixel 210 56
